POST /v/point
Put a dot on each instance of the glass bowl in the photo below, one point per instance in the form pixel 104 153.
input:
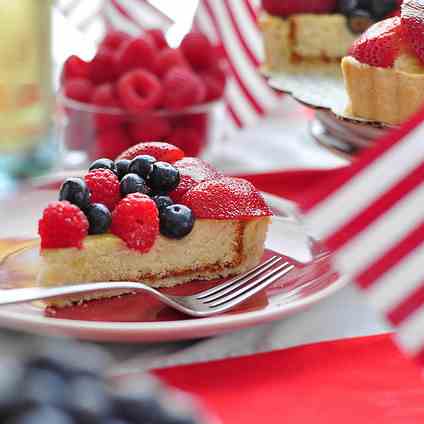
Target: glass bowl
pixel 88 132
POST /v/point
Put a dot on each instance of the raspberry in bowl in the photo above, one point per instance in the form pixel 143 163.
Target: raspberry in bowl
pixel 139 89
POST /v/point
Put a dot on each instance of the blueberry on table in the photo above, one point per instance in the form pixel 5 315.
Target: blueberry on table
pixel 142 165
pixel 133 183
pixel 99 218
pixel 359 21
pixel 103 163
pixel 162 202
pixel 176 221
pixel 164 178
pixel 75 191
pixel 121 167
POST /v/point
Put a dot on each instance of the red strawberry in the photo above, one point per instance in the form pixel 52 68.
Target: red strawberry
pixel 412 18
pixel 149 127
pixel 380 44
pixel 192 172
pixel 290 7
pixel 161 151
pixel 226 198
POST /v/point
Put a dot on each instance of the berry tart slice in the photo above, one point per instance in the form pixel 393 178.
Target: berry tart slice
pixel 311 34
pixel 155 216
pixel 384 73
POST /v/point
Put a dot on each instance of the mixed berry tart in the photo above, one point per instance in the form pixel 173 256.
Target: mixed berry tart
pixel 152 215
pixel 384 72
pixel 300 34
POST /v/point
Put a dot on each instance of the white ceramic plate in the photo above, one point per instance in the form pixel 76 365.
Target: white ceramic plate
pixel 286 236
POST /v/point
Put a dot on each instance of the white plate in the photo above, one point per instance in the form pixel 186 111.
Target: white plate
pixel 286 236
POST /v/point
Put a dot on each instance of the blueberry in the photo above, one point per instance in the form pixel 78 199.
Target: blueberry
pixel 122 168
pixel 132 183
pixel 162 202
pixel 99 218
pixel 359 21
pixel 75 190
pixel 138 407
pixel 176 221
pixel 43 387
pixel 164 178
pixel 346 7
pixel 87 400
pixel 103 164
pixel 142 165
pixel 42 415
pixel 382 8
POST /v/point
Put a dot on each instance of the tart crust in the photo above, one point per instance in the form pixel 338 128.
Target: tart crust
pixel 389 96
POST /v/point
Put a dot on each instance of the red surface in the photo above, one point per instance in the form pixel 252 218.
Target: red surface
pixel 362 380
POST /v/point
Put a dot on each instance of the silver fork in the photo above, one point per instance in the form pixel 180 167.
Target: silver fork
pixel 213 301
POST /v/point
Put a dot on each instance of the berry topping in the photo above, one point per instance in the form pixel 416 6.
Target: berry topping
pixel 79 89
pixel 133 183
pixel 158 38
pixel 380 45
pixel 122 168
pixel 161 151
pixel 142 165
pixel 75 67
pixel 412 16
pixel 136 221
pixel 135 53
pixel 62 225
pixel 104 187
pixel 182 88
pixel 99 217
pixel 162 202
pixel 103 163
pixel 149 127
pixel 75 191
pixel 291 7
pixel 198 50
pixel 176 221
pixel 102 67
pixel 140 91
pixel 168 59
pixel 164 177
pixel 359 21
pixel 226 198
pixel 112 142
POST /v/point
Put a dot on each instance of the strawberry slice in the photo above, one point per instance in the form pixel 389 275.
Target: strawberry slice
pixel 161 151
pixel 192 172
pixel 380 45
pixel 412 17
pixel 226 198
pixel 290 7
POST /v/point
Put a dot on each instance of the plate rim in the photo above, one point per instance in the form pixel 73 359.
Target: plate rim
pixel 160 331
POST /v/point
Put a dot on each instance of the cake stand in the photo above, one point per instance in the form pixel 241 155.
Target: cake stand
pixel 332 127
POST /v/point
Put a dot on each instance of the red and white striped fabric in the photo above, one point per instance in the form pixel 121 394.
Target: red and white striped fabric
pixel 373 218
pixel 233 25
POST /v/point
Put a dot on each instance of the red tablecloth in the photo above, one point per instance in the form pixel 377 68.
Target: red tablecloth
pixel 360 381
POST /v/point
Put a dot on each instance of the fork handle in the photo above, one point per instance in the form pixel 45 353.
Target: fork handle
pixel 12 296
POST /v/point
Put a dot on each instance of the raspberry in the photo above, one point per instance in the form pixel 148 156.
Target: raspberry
pixel 158 38
pixel 161 151
pixel 112 142
pixel 140 91
pixel 214 79
pixel 79 89
pixel 114 39
pixel 135 53
pixel 188 139
pixel 105 96
pixel 167 59
pixel 62 225
pixel 149 127
pixel 136 221
pixel 104 187
pixel 182 88
pixel 102 67
pixel 75 67
pixel 198 50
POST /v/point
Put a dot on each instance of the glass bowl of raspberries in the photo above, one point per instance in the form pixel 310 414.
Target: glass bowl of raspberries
pixel 140 89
